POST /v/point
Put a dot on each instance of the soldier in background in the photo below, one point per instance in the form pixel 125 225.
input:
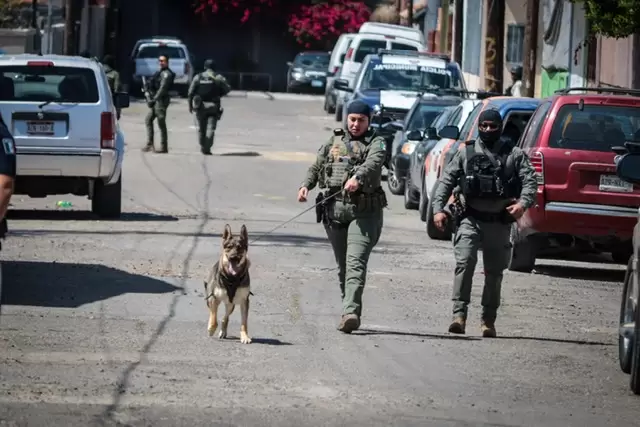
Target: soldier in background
pixel 204 98
pixel 158 99
pixel 113 77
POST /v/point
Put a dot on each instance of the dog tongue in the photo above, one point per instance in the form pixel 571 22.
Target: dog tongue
pixel 232 268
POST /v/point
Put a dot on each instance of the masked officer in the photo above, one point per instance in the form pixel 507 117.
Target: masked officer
pixel 158 99
pixel 113 77
pixel 516 82
pixel 498 184
pixel 204 97
pixel 350 164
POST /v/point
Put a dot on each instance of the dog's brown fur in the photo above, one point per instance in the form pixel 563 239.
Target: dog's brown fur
pixel 229 283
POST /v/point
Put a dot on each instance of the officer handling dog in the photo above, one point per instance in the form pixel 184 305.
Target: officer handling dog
pixel 497 183
pixel 350 164
pixel 204 97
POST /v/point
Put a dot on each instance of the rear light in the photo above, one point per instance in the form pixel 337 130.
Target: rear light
pixel 186 68
pixel 108 131
pixel 335 70
pixel 349 53
pixel 537 160
pixel 39 64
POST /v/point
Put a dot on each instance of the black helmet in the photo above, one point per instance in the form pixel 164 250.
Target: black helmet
pixel 516 72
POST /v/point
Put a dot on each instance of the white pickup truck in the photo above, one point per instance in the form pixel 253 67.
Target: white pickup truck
pixel 145 60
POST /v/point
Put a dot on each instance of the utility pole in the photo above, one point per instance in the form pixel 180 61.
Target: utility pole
pixel 458 33
pixel 530 49
pixel 398 10
pixel 494 46
pixel 69 27
pixel 410 13
pixel 37 46
pixel 444 26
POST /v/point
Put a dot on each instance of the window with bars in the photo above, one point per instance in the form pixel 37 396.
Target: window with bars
pixel 515 44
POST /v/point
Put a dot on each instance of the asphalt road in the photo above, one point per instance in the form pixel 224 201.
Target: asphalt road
pixel 104 322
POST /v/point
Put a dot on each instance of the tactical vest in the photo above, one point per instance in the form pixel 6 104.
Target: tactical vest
pixel 342 159
pixel 488 176
pixel 157 78
pixel 208 88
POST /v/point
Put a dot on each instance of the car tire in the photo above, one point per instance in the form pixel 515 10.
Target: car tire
pixel 395 184
pixel 409 201
pixel 422 204
pixel 634 382
pixel 432 230
pixel 523 251
pixel 331 108
pixel 621 256
pixel 107 199
pixel 625 345
pixel 338 113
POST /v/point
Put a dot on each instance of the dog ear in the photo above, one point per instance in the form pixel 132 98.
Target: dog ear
pixel 244 235
pixel 227 232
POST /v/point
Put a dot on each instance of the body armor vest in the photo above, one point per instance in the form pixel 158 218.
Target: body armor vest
pixel 489 177
pixel 208 88
pixel 343 157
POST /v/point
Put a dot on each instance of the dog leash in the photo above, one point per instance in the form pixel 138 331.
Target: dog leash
pixel 329 197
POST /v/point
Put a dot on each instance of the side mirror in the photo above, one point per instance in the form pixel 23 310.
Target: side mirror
pixel 628 168
pixel 342 84
pixel 450 132
pixel 289 64
pixel 430 133
pixel 414 135
pixel 121 100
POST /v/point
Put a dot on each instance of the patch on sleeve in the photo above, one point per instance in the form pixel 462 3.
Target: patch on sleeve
pixel 7 144
pixel 383 146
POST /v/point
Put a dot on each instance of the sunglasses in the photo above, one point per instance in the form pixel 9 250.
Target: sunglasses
pixel 488 126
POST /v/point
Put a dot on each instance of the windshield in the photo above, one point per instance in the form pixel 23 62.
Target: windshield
pixel 595 128
pixel 44 83
pixel 319 60
pixel 408 77
pixel 423 116
pixel 155 51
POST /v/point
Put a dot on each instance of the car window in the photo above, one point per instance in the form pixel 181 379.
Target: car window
pixel 320 60
pixel 392 76
pixel 45 83
pixel 442 119
pixel 368 46
pixel 595 127
pixel 454 118
pixel 154 51
pixel 466 128
pixel 514 125
pixel 423 116
pixel 534 126
pixel 402 46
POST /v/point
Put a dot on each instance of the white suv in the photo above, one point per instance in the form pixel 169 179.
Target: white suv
pixel 63 119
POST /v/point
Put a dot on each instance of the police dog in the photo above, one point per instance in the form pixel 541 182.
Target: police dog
pixel 229 282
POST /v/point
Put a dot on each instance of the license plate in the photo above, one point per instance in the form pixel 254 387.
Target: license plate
pixel 613 184
pixel 40 128
pixel 317 83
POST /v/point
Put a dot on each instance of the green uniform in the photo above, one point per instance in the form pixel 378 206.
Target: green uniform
pixel 113 77
pixel 354 220
pixel 205 92
pixel 159 86
pixel 485 227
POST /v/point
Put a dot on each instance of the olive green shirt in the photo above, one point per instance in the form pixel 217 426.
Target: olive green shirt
pixel 454 172
pixel 223 85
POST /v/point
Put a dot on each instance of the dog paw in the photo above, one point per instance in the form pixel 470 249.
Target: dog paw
pixel 245 339
pixel 212 330
pixel 222 334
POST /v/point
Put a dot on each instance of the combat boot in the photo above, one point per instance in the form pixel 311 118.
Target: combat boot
pixel 458 325
pixel 149 147
pixel 488 329
pixel 163 150
pixel 349 323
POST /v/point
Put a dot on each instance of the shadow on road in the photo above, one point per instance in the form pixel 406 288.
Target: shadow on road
pixel 254 340
pixel 555 340
pixel 48 284
pixel 60 215
pixel 363 331
pixel 581 273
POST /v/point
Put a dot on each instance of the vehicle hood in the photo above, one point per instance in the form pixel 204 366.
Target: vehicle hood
pixel 397 99
pixel 370 97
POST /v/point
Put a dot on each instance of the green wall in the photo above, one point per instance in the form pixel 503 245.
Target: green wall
pixel 552 81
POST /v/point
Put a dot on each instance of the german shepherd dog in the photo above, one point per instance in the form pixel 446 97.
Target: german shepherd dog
pixel 229 283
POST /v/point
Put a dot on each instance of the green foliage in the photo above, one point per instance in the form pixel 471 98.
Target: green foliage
pixel 10 13
pixel 612 18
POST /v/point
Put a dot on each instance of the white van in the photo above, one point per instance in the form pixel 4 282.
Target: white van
pixel 338 52
pixel 364 44
pixel 392 30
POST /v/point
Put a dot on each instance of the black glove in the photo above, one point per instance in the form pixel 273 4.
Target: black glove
pixel 150 104
pixel 190 109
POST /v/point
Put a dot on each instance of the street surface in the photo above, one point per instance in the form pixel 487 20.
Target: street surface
pixel 104 322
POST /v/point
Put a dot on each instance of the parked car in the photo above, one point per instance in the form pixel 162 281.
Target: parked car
pixel 338 53
pixel 515 113
pixel 628 169
pixel 581 204
pixel 331 94
pixel 63 120
pixel 425 141
pixel 417 120
pixel 308 72
pixel 146 63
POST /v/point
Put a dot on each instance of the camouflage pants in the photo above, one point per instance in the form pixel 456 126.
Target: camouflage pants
pixel 159 111
pixel 353 238
pixel 207 123
pixel 496 250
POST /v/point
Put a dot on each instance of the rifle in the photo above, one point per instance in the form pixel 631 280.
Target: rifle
pixel 456 208
pixel 145 90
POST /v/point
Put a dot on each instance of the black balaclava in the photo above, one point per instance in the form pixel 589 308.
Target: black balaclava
pixel 360 107
pixel 492 136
